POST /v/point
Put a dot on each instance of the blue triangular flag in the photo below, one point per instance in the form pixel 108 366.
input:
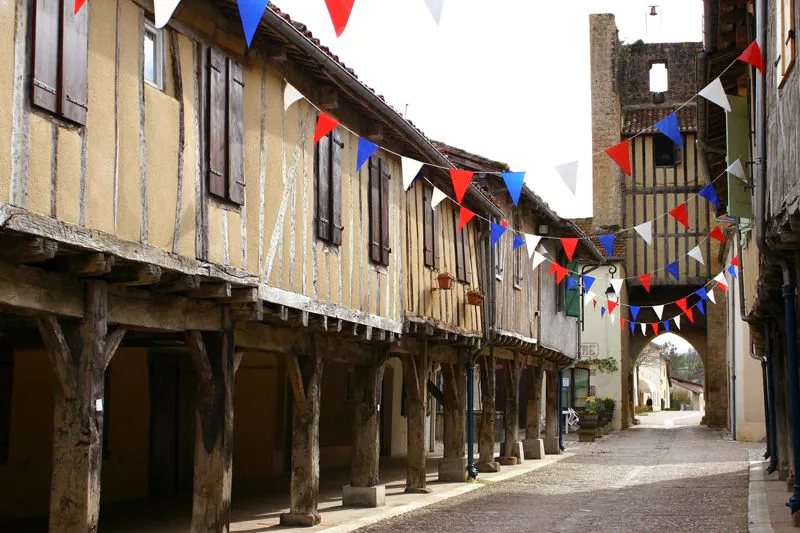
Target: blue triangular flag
pixel 710 193
pixel 514 181
pixel 365 150
pixel 666 325
pixel 588 281
pixel 518 241
pixel 702 293
pixel 672 269
pixel 701 308
pixel 669 127
pixel 732 270
pixel 571 283
pixel 602 312
pixel 497 232
pixel 633 327
pixel 634 312
pixel 608 243
pixel 251 11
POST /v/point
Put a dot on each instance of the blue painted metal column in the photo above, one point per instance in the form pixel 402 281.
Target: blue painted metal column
pixel 794 388
pixel 471 470
pixel 560 392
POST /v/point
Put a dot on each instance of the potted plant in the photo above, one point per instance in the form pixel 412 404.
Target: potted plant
pixel 590 418
pixel 475 297
pixel 446 281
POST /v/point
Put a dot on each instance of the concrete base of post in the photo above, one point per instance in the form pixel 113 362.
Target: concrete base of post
pixel 515 450
pixel 488 467
pixel 453 469
pixel 551 446
pixel 300 519
pixel 533 448
pixel 364 496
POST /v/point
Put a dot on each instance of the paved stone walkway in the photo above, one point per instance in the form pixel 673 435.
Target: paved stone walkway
pixel 670 479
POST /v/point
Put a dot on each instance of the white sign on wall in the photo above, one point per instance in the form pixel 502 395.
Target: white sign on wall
pixel 590 349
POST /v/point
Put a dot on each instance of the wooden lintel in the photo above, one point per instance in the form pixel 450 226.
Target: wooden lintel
pixel 143 309
pixel 202 364
pixel 59 353
pixel 248 312
pixel 210 291
pixel 249 295
pixel 296 381
pixel 88 265
pixel 25 249
pixel 133 275
pixel 112 342
pixel 183 283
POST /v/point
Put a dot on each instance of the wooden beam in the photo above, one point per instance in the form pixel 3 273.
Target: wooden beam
pixel 296 381
pixel 375 134
pixel 143 309
pixel 183 283
pixel 328 100
pixel 25 249
pixel 210 291
pixel 248 312
pixel 435 391
pixel 133 275
pixel 276 50
pixel 60 355
pixel 202 365
pixel 89 265
pixel 111 344
pixel 249 295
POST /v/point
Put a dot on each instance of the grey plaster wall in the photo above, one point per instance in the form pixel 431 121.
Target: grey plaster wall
pixel 558 332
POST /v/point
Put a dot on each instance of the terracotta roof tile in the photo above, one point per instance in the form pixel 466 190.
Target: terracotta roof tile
pixel 587 227
pixel 641 119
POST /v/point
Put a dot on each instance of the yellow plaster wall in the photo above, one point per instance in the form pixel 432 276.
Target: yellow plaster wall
pixel 68 176
pixel 8 20
pixel 40 165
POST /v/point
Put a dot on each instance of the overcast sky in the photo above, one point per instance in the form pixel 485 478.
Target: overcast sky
pixel 506 79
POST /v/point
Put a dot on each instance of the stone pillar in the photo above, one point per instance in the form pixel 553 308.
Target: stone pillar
pixel 79 356
pixel 364 489
pixel 512 447
pixel 486 462
pixel 533 445
pixel 551 446
pixel 416 370
pixel 305 377
pixel 453 467
pixel 716 367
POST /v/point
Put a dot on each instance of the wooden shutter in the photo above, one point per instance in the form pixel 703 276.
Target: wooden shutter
pixel 73 101
pixel 235 133
pixel 459 248
pixel 467 254
pixel 427 221
pixel 322 177
pixel 46 39
pixel 375 209
pixel 337 152
pixel 216 123
pixel 386 177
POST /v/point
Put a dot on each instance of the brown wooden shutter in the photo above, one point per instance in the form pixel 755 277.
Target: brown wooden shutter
pixel 322 176
pixel 216 123
pixel 337 152
pixel 467 254
pixel 386 177
pixel 459 248
pixel 74 97
pixel 374 209
pixel 427 221
pixel 235 133
pixel 46 38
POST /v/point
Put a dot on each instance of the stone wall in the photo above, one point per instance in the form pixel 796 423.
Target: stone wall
pixel 635 61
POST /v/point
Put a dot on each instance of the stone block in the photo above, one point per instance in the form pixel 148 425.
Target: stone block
pixel 533 448
pixel 515 450
pixel 551 446
pixel 453 469
pixel 364 496
pixel 300 519
pixel 488 467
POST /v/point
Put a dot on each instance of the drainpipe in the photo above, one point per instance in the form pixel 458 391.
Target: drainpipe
pixel 733 366
pixel 789 287
pixel 773 424
pixel 763 361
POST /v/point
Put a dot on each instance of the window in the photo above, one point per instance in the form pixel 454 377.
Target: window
pixel 6 388
pixel 379 177
pixel 784 39
pixel 225 128
pixel 573 295
pixel 328 177
pixel 665 152
pixel 60 60
pixel 462 248
pixel 517 256
pixel 429 226
pixel 153 56
pixel 499 252
pixel 575 394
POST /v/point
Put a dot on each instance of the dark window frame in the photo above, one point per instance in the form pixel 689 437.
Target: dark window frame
pixel 379 199
pixel 462 248
pixel 428 227
pixel 328 154
pixel 517 259
pixel 666 154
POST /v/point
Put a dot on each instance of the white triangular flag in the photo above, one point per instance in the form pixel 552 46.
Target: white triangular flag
pixel 737 169
pixel 163 11
pixel 612 316
pixel 710 294
pixel 538 259
pixel 617 285
pixel 677 320
pixel 720 278
pixel 645 231
pixel 290 96
pixel 532 241
pixel 437 197
pixel 435 7
pixel 542 250
pixel 569 173
pixel 659 309
pixel 696 254
pixel 588 297
pixel 411 168
pixel 644 328
pixel 714 92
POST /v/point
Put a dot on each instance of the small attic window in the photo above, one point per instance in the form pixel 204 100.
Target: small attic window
pixel 658 78
pixel 665 152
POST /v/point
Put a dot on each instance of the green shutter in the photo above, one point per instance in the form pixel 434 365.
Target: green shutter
pixel 738 141
pixel 573 297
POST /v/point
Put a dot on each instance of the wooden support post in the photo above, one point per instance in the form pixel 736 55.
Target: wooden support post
pixel 453 466
pixel 416 369
pixel 214 361
pixel 551 444
pixel 366 449
pixel 511 446
pixel 486 462
pixel 305 377
pixel 534 412
pixel 80 357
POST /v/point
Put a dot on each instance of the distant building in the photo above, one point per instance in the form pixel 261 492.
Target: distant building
pixel 694 391
pixel 652 379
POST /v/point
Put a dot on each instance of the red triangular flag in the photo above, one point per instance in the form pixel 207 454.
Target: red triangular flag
pixel 655 327
pixel 621 155
pixel 559 271
pixel 622 323
pixel 682 304
pixel 464 216
pixel 325 125
pixel 461 179
pixel 504 223
pixel 690 315
pixel 645 279
pixel 722 286
pixel 735 261
pixel 594 304
pixel 681 215
pixel 569 244
pixel 79 5
pixel 716 233
pixel 752 55
pixel 340 13
pixel 611 305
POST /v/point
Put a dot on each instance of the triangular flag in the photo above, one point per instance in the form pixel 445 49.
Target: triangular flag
pixel 633 325
pixel 290 96
pixel 701 308
pixel 721 281
pixel 696 254
pixel 514 182
pixel 611 305
pixel 569 174
pixel 634 311
pixel 435 7
pixel 682 304
pixel 666 325
pixel 613 318
pixel 571 283
pixel 644 328
pixel 532 241
pixel 163 10
pixel 710 294
pixel 717 234
pixel 602 311
pixel 655 328
pixel 559 271
pixel 410 168
pixel 645 279
pixel 569 244
pixel 365 150
pixel 702 293
pixel 735 260
pixel 672 269
pixel 497 232
pixel 340 13
pixel 645 231
pixel 690 315
pixel 659 309
pixel 464 216
pixel 680 214
pixel 621 155
pixel 737 169
pixel 461 180
pixel 588 281
pixel 594 303
pixel 608 243
pixel 710 193
pixel 616 284
pixel 714 92
pixel 538 259
pixel 325 125
pixel 518 241
pixel 752 55
pixel 669 126
pixel 78 5
pixel 622 323
pixel 437 197
pixel 732 270
pixel 677 320
pixel 588 298
pixel 251 11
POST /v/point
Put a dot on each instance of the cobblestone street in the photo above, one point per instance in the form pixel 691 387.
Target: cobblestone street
pixel 661 476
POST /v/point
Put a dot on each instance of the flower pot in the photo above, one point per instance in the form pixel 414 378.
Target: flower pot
pixel 446 281
pixel 475 297
pixel 588 427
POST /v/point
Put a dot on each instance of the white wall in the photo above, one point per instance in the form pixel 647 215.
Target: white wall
pixel 400 423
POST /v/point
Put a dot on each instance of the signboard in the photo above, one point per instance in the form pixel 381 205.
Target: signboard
pixel 565 382
pixel 590 349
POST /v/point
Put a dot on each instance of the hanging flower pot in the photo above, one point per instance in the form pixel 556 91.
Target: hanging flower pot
pixel 446 281
pixel 475 297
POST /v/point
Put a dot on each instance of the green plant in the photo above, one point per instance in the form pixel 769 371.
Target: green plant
pixel 605 365
pixel 593 405
pixel 609 403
